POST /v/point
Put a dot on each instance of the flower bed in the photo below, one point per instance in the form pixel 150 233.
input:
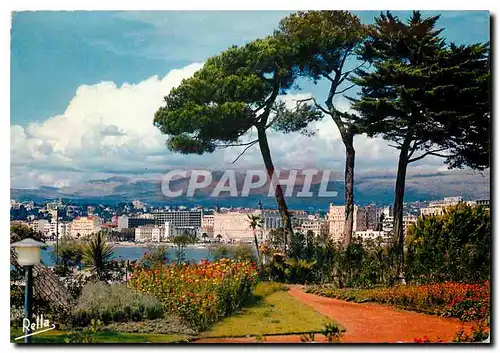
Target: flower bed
pixel 199 294
pixel 465 301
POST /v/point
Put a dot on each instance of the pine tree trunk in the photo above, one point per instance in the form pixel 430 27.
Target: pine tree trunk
pixel 280 199
pixel 349 187
pixel 398 203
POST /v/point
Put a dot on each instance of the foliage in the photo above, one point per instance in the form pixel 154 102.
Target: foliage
pixel 114 303
pixel 199 294
pixel 234 92
pixel 243 252
pixel 465 301
pixel 75 282
pixel 478 333
pixel 181 241
pixel 332 332
pixel 70 256
pixel 454 246
pixel 270 310
pixel 425 97
pixel 154 258
pixel 19 232
pixel 320 260
pixel 97 255
pixel 325 41
pixel 256 222
pixel 240 252
pixel 165 325
pixel 88 335
pixel 220 251
pixel 425 91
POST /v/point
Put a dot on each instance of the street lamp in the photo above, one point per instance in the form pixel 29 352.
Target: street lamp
pixel 28 255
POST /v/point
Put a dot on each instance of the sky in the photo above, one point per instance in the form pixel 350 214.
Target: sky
pixel 85 86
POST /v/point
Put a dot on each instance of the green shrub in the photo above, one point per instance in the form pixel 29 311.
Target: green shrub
pixel 240 252
pixel 114 303
pixel 455 246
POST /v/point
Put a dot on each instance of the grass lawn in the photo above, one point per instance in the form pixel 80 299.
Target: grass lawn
pixel 272 311
pixel 55 336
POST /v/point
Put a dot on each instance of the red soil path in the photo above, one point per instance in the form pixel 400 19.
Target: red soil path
pixel 376 323
pixel 365 323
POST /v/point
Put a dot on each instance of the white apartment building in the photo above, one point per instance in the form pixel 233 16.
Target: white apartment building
pixel 437 208
pixel 40 225
pixel 364 218
pixel 180 218
pixel 51 229
pixel 234 225
pixel 408 220
pixel 151 233
pixel 314 224
pixel 85 226
pixel 374 235
pixel 122 223
pixel 207 225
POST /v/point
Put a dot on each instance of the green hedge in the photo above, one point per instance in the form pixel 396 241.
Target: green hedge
pixel 114 303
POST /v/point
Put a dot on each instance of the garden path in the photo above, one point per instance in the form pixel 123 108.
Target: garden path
pixel 377 323
pixel 366 323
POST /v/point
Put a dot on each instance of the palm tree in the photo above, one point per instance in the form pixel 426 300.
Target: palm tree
pixel 255 221
pixel 97 255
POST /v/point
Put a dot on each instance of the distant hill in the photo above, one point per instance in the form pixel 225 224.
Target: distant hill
pixel 375 187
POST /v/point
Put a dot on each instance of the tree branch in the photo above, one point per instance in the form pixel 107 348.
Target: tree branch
pixel 414 147
pixel 246 148
pixel 347 73
pixel 431 153
pixel 345 89
pixel 237 144
pixel 262 118
pixel 328 77
pixel 315 103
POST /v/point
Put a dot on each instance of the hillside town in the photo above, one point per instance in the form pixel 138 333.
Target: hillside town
pixel 139 222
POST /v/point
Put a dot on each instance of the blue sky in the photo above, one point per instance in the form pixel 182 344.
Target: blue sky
pixel 53 54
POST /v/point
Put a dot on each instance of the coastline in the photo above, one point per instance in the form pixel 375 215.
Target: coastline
pixel 125 244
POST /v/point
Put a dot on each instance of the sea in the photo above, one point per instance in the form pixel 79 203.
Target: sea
pixel 135 253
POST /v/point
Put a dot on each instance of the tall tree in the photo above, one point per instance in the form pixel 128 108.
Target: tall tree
pixel 234 92
pixel 426 97
pixel 325 42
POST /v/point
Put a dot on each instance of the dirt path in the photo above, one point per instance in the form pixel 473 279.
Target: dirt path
pixel 379 323
pixel 365 323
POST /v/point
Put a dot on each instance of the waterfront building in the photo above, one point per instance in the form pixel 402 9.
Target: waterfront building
pixel 234 225
pixel 85 226
pixel 151 233
pixel 207 225
pixel 180 218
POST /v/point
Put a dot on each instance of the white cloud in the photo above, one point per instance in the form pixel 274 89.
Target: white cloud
pixel 109 130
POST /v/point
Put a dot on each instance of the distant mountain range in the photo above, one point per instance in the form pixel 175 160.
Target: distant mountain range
pixel 375 187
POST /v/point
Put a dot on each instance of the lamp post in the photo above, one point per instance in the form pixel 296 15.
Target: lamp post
pixel 28 255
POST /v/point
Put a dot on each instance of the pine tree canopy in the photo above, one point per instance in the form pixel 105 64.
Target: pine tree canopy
pixel 425 92
pixel 233 92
